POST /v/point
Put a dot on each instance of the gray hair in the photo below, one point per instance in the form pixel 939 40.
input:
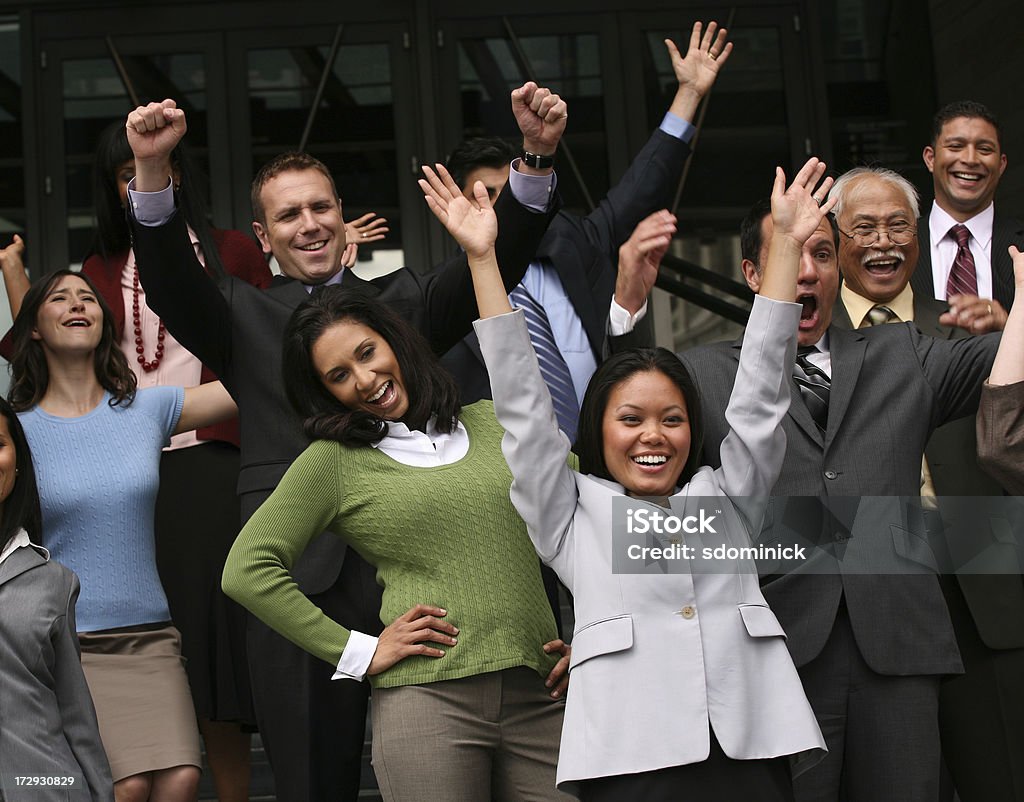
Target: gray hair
pixel 841 188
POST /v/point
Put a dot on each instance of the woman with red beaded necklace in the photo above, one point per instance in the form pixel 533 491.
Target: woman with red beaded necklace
pixel 197 513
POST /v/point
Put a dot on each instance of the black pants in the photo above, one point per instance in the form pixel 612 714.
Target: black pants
pixel 717 779
pixel 313 728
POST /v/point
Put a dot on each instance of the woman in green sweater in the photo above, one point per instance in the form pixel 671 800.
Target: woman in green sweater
pixel 467 677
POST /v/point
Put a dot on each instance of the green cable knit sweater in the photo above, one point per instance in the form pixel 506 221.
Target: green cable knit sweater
pixel 447 536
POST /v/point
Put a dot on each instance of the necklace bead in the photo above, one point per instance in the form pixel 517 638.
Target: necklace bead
pixel 147 366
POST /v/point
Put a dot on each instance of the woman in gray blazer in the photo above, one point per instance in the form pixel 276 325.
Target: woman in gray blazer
pixel 49 742
pixel 681 683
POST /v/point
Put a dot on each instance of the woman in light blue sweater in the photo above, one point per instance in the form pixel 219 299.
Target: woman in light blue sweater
pixel 97 443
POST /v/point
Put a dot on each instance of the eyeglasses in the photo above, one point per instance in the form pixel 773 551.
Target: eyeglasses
pixel 864 236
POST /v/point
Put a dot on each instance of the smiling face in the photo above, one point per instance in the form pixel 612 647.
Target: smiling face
pixel 358 367
pixel 646 434
pixel 881 271
pixel 966 164
pixel 69 317
pixel 303 229
pixel 817 281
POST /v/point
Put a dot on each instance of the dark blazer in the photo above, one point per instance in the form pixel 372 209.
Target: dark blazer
pixel 239 255
pixel 1005 232
pixel 995 602
pixel 891 388
pixel 236 329
pixel 584 252
pixel 47 720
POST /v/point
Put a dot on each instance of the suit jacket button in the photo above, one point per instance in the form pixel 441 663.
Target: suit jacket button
pixel 688 612
pixel 831 474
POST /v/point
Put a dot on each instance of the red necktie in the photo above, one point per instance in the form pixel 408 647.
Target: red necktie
pixel 963 279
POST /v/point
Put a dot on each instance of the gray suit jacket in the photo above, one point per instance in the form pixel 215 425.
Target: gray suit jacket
pixel 47 720
pixel 891 388
pixel 647 675
pixel 996 601
pixel 1005 232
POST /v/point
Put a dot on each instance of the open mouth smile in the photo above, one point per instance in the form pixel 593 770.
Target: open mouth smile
pixel 313 246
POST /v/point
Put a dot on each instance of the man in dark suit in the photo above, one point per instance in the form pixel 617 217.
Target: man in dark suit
pixel 572 275
pixel 981 713
pixel 870 648
pixel 966 161
pixel 312 728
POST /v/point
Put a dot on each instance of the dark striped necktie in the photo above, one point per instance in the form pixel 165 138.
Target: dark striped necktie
pixel 814 385
pixel 552 364
pixel 963 277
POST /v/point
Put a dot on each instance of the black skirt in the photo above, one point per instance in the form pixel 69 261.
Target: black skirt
pixel 197 519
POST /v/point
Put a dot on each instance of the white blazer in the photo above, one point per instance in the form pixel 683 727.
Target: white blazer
pixel 647 680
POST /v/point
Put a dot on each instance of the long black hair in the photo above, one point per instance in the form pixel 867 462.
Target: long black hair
pixel 430 388
pixel 21 507
pixel 113 236
pixel 29 373
pixel 610 374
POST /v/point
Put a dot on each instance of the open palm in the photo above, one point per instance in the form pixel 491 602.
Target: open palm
pixel 473 224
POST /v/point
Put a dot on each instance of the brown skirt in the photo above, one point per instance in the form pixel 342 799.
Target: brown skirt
pixel 137 679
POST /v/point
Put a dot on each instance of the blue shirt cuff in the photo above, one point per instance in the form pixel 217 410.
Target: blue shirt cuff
pixel 677 127
pixel 151 208
pixel 532 191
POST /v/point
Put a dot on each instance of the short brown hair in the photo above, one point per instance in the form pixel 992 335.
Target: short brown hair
pixel 284 163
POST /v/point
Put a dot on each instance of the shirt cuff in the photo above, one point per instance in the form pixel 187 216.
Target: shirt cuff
pixel 532 191
pixel 151 208
pixel 621 322
pixel 356 657
pixel 677 127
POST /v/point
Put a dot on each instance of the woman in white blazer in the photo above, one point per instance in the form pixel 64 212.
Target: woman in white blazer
pixel 681 686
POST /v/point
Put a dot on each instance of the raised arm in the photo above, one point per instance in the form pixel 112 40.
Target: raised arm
pixel 522 221
pixel 753 451
pixel 543 487
pixel 177 286
pixel 1001 413
pixel 15 278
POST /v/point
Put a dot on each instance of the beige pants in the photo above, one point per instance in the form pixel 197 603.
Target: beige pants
pixel 488 737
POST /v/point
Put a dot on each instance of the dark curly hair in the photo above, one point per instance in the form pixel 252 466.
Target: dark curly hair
pixel 430 387
pixel 29 373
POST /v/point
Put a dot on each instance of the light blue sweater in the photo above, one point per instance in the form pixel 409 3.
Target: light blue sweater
pixel 98 476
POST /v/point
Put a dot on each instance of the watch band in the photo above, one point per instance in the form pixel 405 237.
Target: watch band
pixel 536 161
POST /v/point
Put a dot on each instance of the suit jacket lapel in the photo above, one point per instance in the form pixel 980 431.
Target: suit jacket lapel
pixel 926 318
pixel 797 408
pixel 22 560
pixel 1005 232
pixel 846 350
pixel 562 255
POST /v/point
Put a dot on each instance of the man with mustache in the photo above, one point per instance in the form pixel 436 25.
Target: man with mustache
pixel 966 161
pixel 981 713
pixel 871 649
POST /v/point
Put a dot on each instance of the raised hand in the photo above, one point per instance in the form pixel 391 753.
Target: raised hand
pixel 368 228
pixel 639 259
pixel 10 257
pixel 405 636
pixel 474 226
pixel 797 210
pixel 155 130
pixel 541 116
pixel 705 56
